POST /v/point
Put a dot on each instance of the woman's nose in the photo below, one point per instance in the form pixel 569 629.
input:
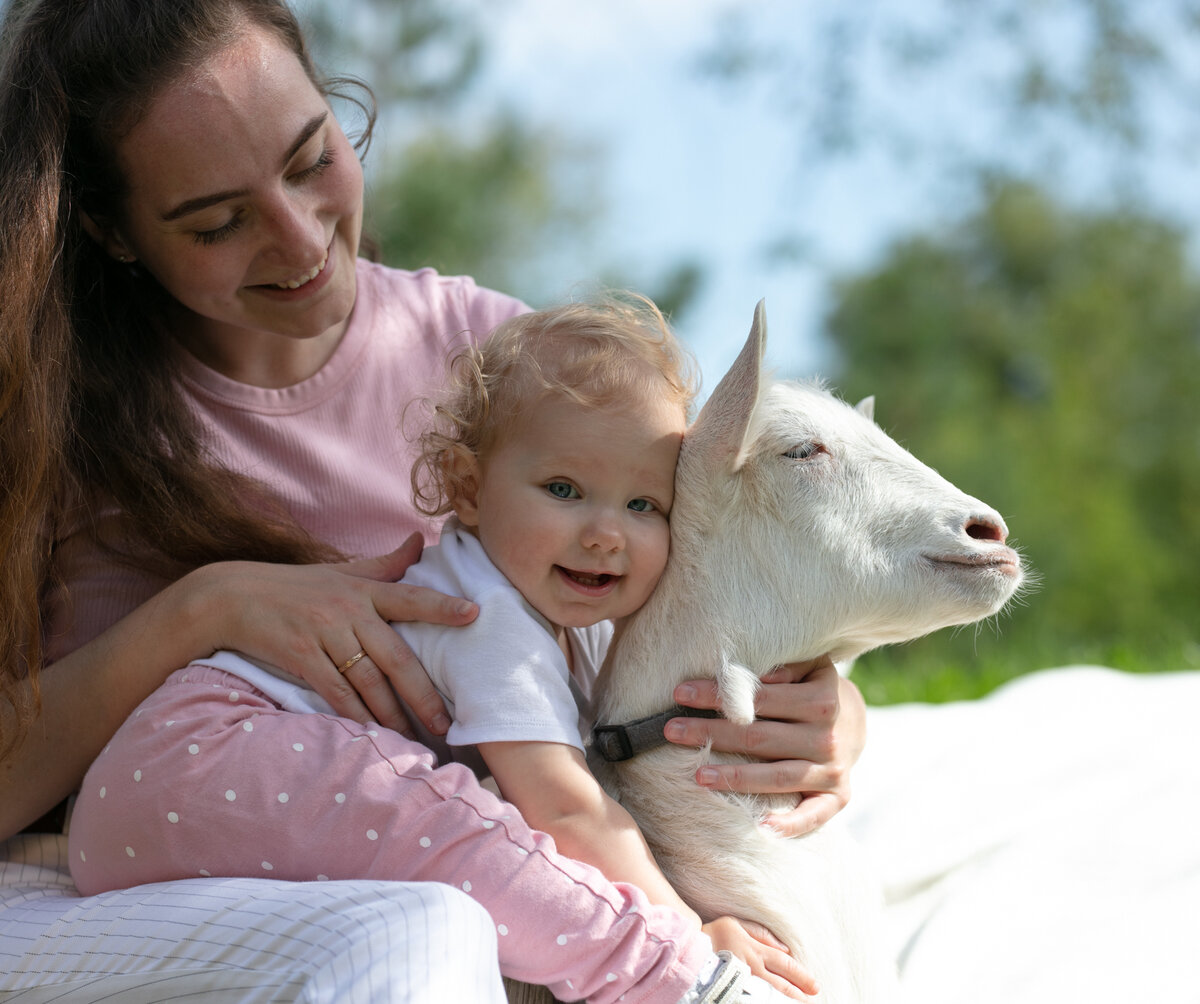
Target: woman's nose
pixel 297 234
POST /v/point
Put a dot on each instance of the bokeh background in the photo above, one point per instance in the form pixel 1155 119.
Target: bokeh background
pixel 983 212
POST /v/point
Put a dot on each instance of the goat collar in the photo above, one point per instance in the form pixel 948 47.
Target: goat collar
pixel 615 743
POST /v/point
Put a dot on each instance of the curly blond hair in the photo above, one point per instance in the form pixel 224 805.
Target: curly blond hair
pixel 596 353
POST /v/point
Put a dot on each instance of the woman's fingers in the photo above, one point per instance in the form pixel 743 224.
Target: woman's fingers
pixel 312 620
pixel 397 601
pixel 809 732
pixel 372 686
pixel 343 696
pixel 388 567
pixel 810 813
pixel 392 675
pixel 766 740
pixel 773 777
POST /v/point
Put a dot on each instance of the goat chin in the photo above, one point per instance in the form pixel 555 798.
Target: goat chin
pixel 799 526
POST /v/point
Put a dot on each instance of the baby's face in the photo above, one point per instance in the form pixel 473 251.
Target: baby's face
pixel 573 506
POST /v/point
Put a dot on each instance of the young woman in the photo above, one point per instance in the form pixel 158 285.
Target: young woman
pixel 194 360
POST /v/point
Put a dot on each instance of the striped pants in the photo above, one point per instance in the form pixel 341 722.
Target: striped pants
pixel 236 941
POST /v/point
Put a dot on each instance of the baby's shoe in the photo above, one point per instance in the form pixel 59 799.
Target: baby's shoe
pixel 726 979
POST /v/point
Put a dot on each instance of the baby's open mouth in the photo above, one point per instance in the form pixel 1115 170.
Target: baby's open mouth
pixel 588 578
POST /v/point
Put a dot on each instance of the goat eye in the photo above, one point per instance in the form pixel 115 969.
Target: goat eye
pixel 805 451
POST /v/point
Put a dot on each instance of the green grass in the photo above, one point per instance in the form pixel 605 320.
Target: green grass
pixel 963 665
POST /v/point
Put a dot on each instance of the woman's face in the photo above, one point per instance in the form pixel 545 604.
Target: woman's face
pixel 245 203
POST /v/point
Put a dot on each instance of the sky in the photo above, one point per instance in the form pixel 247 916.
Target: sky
pixel 693 170
pixel 717 173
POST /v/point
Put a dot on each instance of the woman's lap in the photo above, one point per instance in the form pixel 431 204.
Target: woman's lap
pixel 250 941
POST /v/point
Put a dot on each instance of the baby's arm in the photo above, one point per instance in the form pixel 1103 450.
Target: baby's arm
pixel 551 786
pixel 555 792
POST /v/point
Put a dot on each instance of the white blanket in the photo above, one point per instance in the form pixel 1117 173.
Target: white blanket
pixel 1041 846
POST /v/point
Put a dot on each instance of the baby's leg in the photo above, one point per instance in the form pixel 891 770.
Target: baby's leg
pixel 209 777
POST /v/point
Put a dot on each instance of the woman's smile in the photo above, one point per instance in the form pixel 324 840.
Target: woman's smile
pixel 304 285
pixel 308 277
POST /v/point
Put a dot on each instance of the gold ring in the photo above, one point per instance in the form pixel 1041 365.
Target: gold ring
pixel 352 660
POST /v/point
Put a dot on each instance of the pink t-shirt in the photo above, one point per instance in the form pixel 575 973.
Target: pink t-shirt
pixel 336 447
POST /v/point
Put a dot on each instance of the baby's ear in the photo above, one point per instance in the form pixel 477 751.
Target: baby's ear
pixel 462 476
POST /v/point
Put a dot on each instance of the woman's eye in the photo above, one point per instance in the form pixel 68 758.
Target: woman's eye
pixel 322 162
pixel 217 234
pixel 641 505
pixel 562 490
pixel 805 451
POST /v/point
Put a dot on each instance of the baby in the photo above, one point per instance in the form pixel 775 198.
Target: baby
pixel 554 451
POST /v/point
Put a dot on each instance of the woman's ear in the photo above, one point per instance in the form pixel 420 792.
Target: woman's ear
pixel 462 471
pixel 108 238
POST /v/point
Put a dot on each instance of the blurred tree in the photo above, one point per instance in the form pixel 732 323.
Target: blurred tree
pixel 454 180
pixel 1048 360
pixel 424 52
pixel 1115 76
pixel 1086 98
pixel 474 190
pixel 490 208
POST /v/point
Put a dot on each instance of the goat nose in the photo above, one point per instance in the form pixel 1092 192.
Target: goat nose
pixel 989 527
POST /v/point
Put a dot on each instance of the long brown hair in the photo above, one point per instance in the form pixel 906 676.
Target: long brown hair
pixel 90 409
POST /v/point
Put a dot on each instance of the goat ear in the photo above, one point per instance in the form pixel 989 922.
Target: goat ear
pixel 719 431
pixel 866 407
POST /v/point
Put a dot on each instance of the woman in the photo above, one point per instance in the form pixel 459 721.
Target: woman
pixel 201 385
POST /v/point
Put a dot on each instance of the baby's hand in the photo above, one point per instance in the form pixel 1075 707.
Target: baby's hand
pixel 767 956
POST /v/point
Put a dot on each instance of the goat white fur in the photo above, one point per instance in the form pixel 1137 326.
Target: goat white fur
pixel 799 528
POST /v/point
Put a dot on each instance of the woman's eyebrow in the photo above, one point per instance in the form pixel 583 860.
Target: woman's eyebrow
pixel 189 206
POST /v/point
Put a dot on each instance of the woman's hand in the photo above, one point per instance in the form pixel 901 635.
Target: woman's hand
pixel 313 620
pixel 809 731
pixel 767 956
pixel 306 619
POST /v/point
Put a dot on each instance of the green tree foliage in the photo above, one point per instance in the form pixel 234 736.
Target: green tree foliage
pixel 489 208
pixel 454 181
pixel 1047 360
pixel 420 52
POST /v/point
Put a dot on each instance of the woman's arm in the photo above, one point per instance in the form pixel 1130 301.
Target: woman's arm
pixel 552 788
pixel 810 730
pixel 300 618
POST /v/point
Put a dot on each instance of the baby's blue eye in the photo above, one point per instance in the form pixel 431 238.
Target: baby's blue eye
pixel 562 490
pixel 641 505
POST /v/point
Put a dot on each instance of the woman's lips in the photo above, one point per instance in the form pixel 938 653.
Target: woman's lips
pixel 306 278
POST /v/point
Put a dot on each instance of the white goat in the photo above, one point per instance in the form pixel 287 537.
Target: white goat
pixel 799 528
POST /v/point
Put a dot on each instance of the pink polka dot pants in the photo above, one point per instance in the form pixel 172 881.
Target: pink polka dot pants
pixel 211 778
